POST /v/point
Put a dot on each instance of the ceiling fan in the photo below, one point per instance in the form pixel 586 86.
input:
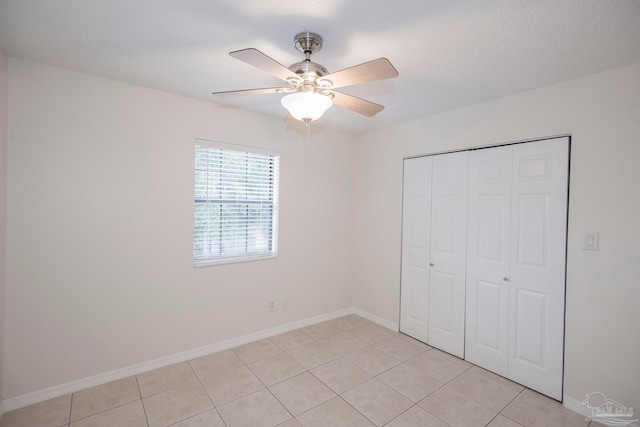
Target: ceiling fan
pixel 310 87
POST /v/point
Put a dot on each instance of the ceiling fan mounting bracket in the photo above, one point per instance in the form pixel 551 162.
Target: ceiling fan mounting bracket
pixel 308 43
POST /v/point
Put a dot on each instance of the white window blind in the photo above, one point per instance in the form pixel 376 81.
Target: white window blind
pixel 236 203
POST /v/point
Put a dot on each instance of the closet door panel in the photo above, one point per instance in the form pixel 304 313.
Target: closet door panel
pixel 448 252
pixel 443 294
pixel 487 293
pixel 416 219
pixel 537 265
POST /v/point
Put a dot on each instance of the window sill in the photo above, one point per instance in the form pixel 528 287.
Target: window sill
pixel 210 262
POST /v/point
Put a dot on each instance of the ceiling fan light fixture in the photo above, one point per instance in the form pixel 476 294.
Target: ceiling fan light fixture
pixel 306 106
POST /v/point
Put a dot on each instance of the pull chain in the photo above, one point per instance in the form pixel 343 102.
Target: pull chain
pixel 306 147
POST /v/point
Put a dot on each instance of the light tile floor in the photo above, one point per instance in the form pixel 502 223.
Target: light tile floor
pixel 343 372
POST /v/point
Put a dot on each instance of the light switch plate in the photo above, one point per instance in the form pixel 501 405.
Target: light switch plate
pixel 590 241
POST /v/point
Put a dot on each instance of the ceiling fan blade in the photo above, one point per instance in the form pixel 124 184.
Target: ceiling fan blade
pixel 263 91
pixel 356 104
pixel 378 69
pixel 265 63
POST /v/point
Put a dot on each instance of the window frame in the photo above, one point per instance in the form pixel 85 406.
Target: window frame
pixel 274 184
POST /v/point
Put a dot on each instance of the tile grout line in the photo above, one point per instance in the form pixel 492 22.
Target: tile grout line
pixel 258 378
pixel 510 402
pixel 144 410
pixel 70 409
pixel 431 413
pixel 358 411
pixel 400 414
pixel 206 392
pixel 101 412
pixel 279 401
pixel 393 390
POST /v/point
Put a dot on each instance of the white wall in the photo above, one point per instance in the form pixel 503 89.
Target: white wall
pixel 100 211
pixel 602 113
pixel 100 225
pixel 3 198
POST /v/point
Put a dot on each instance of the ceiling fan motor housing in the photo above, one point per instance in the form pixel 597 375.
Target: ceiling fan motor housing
pixel 309 68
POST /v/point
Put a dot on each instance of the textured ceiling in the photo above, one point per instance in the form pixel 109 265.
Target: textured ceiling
pixel 449 53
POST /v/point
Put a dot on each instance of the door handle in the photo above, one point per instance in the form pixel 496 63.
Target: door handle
pixel 506 279
pixel 430 264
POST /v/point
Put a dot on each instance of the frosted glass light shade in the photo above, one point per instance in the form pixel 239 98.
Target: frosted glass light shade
pixel 305 106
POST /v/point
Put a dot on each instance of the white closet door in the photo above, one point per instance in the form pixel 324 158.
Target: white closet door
pixel 537 268
pixel 416 219
pixel 488 246
pixel 448 252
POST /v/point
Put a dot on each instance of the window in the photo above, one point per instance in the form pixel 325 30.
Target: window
pixel 236 203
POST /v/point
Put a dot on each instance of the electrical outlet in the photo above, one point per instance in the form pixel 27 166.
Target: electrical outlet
pixel 285 304
pixel 272 305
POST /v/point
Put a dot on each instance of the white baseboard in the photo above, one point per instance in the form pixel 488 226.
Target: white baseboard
pixel 83 383
pixel 577 406
pixel 375 319
pixel 60 390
